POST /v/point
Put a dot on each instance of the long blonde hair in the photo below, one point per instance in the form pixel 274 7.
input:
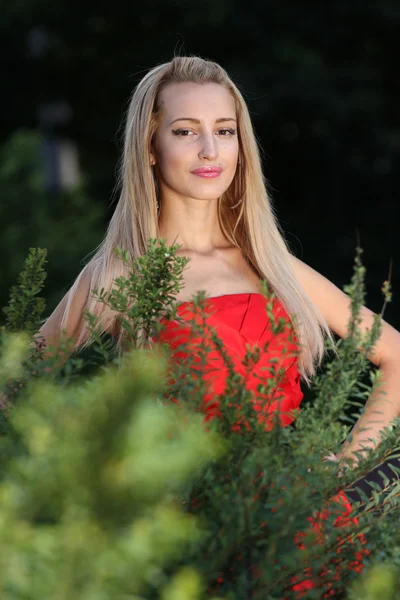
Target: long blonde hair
pixel 252 227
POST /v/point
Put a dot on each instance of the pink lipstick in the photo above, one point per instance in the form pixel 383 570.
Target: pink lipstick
pixel 208 172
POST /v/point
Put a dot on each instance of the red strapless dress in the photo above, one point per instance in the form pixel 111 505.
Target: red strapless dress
pixel 241 319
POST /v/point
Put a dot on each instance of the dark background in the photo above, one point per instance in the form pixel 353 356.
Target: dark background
pixel 321 81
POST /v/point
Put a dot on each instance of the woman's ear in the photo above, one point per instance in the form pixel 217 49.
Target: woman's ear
pixel 152 151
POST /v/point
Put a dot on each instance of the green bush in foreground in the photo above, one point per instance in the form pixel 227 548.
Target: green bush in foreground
pixel 109 490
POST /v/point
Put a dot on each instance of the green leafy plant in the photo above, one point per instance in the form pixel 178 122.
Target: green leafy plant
pixel 97 458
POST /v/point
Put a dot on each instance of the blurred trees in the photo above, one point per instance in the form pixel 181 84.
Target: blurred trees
pixel 320 80
pixel 66 222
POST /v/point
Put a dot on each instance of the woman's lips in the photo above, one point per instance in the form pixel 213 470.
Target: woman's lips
pixel 207 174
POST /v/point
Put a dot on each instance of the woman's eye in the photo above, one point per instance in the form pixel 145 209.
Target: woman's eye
pixel 180 131
pixel 184 132
pixel 230 131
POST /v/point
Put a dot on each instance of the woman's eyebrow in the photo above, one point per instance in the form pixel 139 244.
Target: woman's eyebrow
pixel 197 120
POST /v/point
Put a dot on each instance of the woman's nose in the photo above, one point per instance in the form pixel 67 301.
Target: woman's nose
pixel 209 147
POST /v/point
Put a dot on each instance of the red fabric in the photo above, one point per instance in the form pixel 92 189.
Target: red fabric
pixel 241 320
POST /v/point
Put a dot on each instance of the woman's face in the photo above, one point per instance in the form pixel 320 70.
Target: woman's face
pixel 197 129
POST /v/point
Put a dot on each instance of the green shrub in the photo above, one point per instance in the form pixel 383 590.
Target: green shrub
pixel 110 490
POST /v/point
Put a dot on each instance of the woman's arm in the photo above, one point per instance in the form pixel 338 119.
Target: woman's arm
pixel 335 306
pixel 50 332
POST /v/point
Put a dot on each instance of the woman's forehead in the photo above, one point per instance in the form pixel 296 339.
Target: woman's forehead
pixel 180 100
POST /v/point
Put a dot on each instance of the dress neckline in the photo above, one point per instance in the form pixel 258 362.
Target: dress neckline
pixel 223 296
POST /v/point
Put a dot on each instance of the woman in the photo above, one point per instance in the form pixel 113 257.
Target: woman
pixel 191 174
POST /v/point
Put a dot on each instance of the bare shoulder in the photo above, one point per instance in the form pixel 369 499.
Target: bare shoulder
pixel 335 306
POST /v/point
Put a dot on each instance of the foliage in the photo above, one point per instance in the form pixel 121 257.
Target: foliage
pixel 87 504
pixel 24 309
pixel 31 215
pixel 115 489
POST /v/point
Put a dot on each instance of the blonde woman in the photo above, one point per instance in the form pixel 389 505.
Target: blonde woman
pixel 191 173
